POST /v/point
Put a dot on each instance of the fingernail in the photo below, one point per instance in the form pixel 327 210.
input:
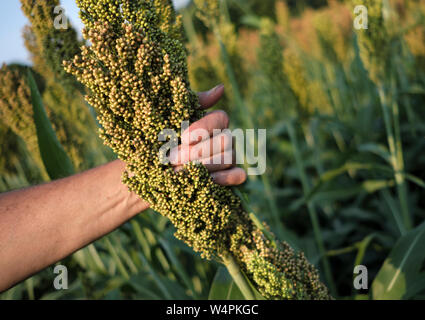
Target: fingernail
pixel 216 88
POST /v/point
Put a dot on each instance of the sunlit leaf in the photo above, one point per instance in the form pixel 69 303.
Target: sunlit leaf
pixel 401 276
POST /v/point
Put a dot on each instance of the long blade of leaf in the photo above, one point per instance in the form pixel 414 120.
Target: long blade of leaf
pixel 55 159
pixel 402 269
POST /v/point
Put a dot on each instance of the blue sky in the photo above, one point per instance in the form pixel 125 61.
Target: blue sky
pixel 12 22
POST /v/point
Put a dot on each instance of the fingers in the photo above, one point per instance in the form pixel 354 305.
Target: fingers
pixel 203 150
pixel 227 177
pixel 214 151
pixel 231 177
pixel 204 128
pixel 211 97
pixel 217 162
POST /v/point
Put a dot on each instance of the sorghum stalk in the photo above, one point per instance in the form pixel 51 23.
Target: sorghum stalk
pixel 49 46
pixel 294 83
pixel 230 67
pixel 237 276
pixel 311 207
pixel 223 29
pixel 376 45
pixel 274 95
pixel 136 71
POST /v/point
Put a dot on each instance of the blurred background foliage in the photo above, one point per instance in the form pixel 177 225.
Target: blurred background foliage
pixel 345 161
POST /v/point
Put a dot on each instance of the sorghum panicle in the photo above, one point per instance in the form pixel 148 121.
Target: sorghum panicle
pixel 136 71
pixel 16 109
pixel 49 46
pixel 375 42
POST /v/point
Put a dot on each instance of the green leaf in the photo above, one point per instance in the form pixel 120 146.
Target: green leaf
pixel 368 186
pixel 55 159
pixel 414 179
pixel 377 149
pixel 362 247
pixel 177 266
pixel 347 167
pixel 401 276
pixel 223 287
pixel 144 287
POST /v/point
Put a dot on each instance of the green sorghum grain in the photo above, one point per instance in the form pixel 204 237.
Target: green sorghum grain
pixel 136 71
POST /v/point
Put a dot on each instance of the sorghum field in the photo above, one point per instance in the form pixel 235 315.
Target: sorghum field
pixel 344 110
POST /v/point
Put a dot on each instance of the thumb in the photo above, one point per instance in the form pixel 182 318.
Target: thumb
pixel 210 98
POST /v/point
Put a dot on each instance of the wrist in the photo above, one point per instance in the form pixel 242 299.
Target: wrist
pixel 131 201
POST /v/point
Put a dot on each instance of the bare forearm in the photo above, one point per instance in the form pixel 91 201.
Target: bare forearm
pixel 43 224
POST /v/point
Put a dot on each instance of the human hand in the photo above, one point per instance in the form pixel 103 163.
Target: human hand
pixel 215 151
